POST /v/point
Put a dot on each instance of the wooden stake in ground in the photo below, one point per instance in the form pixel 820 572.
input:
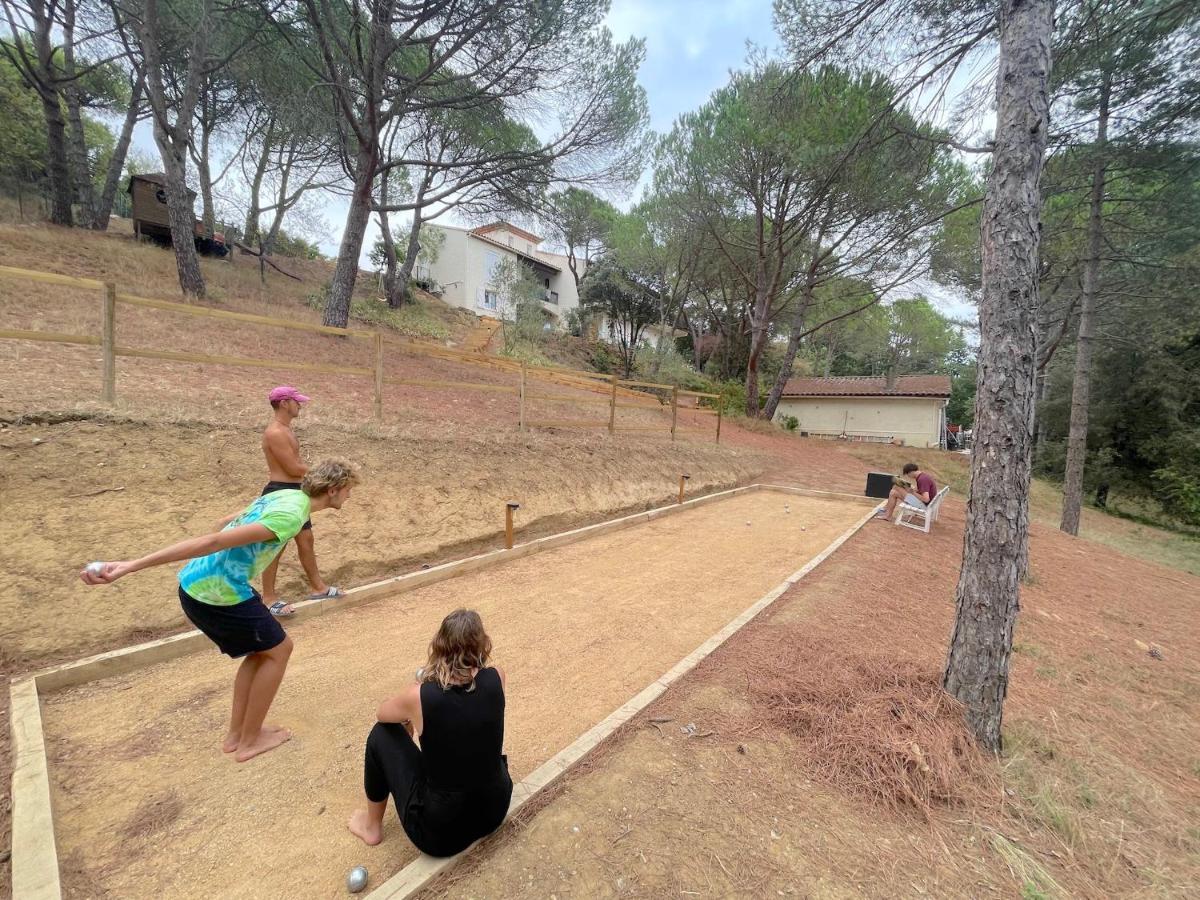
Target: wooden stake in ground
pixel 997 529
pixel 509 508
pixel 108 343
pixel 377 401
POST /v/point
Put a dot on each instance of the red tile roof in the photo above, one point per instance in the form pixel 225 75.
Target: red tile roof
pixel 507 226
pixel 869 386
pixel 545 263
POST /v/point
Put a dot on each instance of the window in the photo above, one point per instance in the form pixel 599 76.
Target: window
pixel 529 249
pixel 547 282
pixel 510 243
pixel 491 299
pixel 491 264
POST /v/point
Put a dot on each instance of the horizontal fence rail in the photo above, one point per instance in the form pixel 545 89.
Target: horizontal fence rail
pixel 611 391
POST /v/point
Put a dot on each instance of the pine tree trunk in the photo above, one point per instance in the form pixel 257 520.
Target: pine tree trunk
pixel 997 527
pixel 181 217
pixel 341 288
pixel 793 345
pixel 116 165
pixel 1081 384
pixel 260 170
pixel 399 290
pixel 208 214
pixel 57 167
pixel 1043 379
pixel 85 191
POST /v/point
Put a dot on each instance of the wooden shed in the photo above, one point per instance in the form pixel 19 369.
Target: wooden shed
pixel 148 196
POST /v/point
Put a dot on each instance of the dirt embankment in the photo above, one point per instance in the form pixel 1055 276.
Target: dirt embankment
pixel 92 489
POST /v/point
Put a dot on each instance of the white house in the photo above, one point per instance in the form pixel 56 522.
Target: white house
pixel 912 409
pixel 468 260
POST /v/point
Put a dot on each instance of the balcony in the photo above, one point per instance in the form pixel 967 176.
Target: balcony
pixel 551 296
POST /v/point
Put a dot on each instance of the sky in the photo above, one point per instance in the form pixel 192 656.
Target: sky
pixel 691 47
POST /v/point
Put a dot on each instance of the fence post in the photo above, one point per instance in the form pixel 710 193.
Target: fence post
pixel 612 407
pixel 674 410
pixel 108 343
pixel 521 412
pixel 720 411
pixel 378 405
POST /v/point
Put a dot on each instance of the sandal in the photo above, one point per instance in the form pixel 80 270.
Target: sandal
pixel 331 593
pixel 281 609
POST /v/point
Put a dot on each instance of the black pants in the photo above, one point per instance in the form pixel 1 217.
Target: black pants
pixel 393 765
pixel 438 822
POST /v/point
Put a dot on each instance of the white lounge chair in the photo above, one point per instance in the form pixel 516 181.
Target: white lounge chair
pixel 908 515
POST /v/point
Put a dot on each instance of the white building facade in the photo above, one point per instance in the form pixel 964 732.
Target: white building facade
pixel 469 259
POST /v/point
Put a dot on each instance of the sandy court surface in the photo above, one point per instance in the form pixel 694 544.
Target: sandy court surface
pixel 147 806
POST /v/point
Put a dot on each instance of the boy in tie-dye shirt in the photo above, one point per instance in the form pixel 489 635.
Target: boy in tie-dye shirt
pixel 217 597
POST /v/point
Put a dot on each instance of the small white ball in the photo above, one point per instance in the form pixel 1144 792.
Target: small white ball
pixel 357 879
pixel 95 568
pixel 747 523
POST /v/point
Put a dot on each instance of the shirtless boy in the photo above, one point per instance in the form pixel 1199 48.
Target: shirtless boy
pixel 285 471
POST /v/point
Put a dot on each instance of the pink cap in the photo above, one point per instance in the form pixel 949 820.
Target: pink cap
pixel 283 392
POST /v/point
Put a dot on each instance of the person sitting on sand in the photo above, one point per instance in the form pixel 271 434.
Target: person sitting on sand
pixel 216 595
pixel 455 788
pixel 916 488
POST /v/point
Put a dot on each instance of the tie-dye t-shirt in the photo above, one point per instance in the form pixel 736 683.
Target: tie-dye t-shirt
pixel 223 578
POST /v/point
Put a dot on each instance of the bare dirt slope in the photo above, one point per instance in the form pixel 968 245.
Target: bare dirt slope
pixel 571 624
pixel 1099 786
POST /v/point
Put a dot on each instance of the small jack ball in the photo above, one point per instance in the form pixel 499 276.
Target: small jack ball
pixel 747 523
pixel 357 879
pixel 95 568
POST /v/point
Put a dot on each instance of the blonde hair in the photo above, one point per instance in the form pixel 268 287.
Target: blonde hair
pixel 459 649
pixel 328 475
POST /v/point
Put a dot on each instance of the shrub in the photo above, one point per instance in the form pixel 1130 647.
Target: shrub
pixel 789 423
pixel 1178 493
pixel 411 320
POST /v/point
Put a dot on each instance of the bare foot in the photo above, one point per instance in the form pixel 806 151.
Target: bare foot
pixel 232 739
pixel 360 825
pixel 266 740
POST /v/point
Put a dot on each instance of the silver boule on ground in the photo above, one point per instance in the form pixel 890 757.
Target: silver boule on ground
pixel 357 879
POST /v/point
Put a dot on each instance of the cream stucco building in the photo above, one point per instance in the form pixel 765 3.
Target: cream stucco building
pixel 467 263
pixel 911 411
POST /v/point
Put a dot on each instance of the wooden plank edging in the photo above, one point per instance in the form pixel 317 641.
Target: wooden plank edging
pixel 34 853
pixel 418 874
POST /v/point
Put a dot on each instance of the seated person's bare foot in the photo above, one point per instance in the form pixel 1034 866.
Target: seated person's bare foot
pixel 266 740
pixel 360 825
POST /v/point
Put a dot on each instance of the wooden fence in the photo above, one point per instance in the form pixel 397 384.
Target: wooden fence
pixel 612 392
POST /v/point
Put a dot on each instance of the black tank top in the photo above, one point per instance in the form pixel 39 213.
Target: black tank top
pixel 462 734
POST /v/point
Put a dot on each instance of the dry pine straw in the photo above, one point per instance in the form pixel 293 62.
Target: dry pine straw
pixel 869 725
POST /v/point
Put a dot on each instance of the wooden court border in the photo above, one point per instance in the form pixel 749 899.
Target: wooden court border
pixel 35 871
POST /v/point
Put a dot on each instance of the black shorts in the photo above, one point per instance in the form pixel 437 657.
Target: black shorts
pixel 238 630
pixel 273 486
